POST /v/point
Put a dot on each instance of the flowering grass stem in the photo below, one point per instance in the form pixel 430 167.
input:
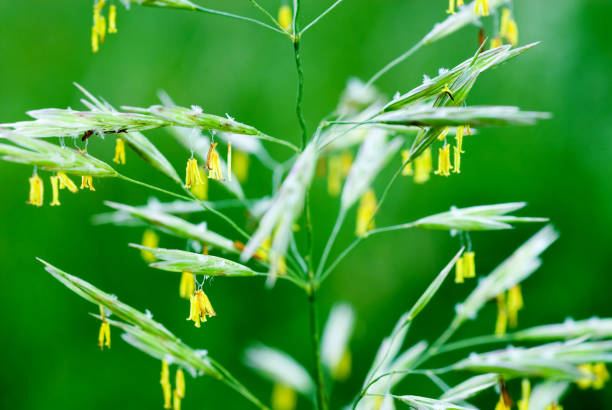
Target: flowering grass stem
pixel 315 338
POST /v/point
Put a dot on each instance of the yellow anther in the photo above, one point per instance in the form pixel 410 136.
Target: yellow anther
pixel 55 189
pixel 87 182
pixel 119 151
pixel 36 191
pixel 365 213
pixel 150 240
pixel 444 164
pixel 66 182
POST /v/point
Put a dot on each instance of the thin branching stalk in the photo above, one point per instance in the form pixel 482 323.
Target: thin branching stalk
pixel 330 242
pixel 300 74
pixel 267 14
pixel 237 17
pixel 231 381
pixel 320 16
pixel 359 239
pixel 154 188
pixel 395 62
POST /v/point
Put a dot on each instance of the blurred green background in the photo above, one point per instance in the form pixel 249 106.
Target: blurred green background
pixel 561 167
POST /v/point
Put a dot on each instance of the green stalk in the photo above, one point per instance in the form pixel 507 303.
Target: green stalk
pixel 232 382
pixel 315 338
pixel 237 17
pixel 300 74
pixel 330 242
pixel 395 62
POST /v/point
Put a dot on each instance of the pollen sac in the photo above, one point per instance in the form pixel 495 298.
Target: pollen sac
pixel 119 152
pixel 365 213
pixel 187 286
pixel 66 182
pixel 55 189
pixel 36 191
pixel 285 17
pixel 444 164
pixel 165 384
pixel 212 163
pixel 87 182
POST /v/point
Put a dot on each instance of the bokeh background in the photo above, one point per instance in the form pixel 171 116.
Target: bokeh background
pixel 50 359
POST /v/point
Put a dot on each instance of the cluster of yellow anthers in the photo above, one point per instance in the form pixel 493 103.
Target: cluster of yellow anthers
pixel 200 307
pixel 508 30
pixel 285 17
pixel 507 309
pixel 365 213
pixel 99 28
pixel 104 337
pixel 596 376
pixel 338 169
pixel 198 184
pixel 423 163
pixel 59 181
pixel 444 160
pixel 172 400
pixel 481 7
pixel 465 267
